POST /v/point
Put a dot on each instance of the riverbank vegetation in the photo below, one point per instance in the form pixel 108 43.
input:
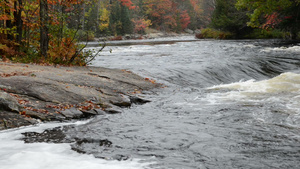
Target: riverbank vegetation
pixel 255 19
pixel 48 31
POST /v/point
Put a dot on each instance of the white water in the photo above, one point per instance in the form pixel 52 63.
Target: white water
pixel 288 49
pixel 228 104
pixel 15 154
pixel 279 86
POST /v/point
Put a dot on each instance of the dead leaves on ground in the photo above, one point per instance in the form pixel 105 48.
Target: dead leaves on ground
pixel 16 74
pixel 154 82
pixel 28 105
pixel 19 99
pixel 150 80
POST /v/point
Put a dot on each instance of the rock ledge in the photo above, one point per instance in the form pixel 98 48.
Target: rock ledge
pixel 33 93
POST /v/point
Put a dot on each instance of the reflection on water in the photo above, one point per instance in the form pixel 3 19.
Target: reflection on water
pixel 228 104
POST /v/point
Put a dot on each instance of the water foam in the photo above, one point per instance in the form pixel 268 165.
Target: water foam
pixel 15 154
pixel 287 49
pixel 285 82
pixel 283 89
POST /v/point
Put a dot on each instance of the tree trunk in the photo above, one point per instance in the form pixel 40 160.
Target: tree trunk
pixel 44 38
pixel 18 20
pixel 83 18
pixel 8 23
pixel 294 34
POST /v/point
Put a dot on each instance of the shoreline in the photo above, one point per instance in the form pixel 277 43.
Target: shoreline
pixel 30 94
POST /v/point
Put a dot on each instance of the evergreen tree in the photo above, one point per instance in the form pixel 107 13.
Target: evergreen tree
pixel 227 18
pixel 127 27
pixel 120 22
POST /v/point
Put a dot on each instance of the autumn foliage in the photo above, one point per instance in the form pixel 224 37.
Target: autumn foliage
pixel 127 3
pixel 48 31
pixel 273 14
pixel 271 21
pixel 21 23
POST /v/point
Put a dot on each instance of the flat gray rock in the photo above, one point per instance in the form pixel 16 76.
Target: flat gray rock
pixel 71 113
pixel 49 93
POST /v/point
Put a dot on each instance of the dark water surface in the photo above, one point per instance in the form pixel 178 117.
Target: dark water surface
pixel 228 104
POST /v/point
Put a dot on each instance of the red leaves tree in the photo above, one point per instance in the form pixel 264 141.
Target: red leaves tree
pixel 271 21
pixel 127 3
pixel 185 19
pixel 166 15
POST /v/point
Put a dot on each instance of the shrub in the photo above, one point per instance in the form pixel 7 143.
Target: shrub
pixel 85 35
pixel 215 34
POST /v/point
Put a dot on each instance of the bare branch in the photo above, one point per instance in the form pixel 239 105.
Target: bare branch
pixel 93 57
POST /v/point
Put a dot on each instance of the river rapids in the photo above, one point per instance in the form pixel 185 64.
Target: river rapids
pixel 224 104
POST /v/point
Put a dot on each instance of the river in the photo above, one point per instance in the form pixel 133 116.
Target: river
pixel 224 104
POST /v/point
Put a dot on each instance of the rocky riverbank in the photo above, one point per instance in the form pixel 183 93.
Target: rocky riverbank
pixel 32 93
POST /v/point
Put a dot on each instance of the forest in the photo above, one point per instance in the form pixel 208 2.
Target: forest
pixel 48 31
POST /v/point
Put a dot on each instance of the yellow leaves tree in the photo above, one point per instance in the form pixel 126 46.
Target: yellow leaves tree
pixel 104 20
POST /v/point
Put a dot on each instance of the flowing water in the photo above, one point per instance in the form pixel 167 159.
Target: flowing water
pixel 226 104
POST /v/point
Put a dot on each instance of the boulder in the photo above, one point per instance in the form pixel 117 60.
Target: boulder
pixel 8 102
pixel 189 31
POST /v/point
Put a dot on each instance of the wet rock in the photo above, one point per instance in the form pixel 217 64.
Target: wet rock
pixel 105 143
pixel 123 101
pixel 72 113
pixel 81 144
pixel 12 120
pixel 55 135
pixel 99 111
pixel 113 110
pixel 137 100
pixel 121 157
pixel 88 113
pixel 93 112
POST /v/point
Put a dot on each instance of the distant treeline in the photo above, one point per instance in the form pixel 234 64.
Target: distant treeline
pixel 119 17
pixel 48 30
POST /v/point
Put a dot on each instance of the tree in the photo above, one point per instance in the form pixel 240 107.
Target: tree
pixel 162 13
pixel 185 19
pixel 120 22
pixel 283 14
pixel 37 31
pixel 141 24
pixel 10 27
pixel 196 12
pixel 227 18
pixel 18 5
pixel 44 19
pixel 104 20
